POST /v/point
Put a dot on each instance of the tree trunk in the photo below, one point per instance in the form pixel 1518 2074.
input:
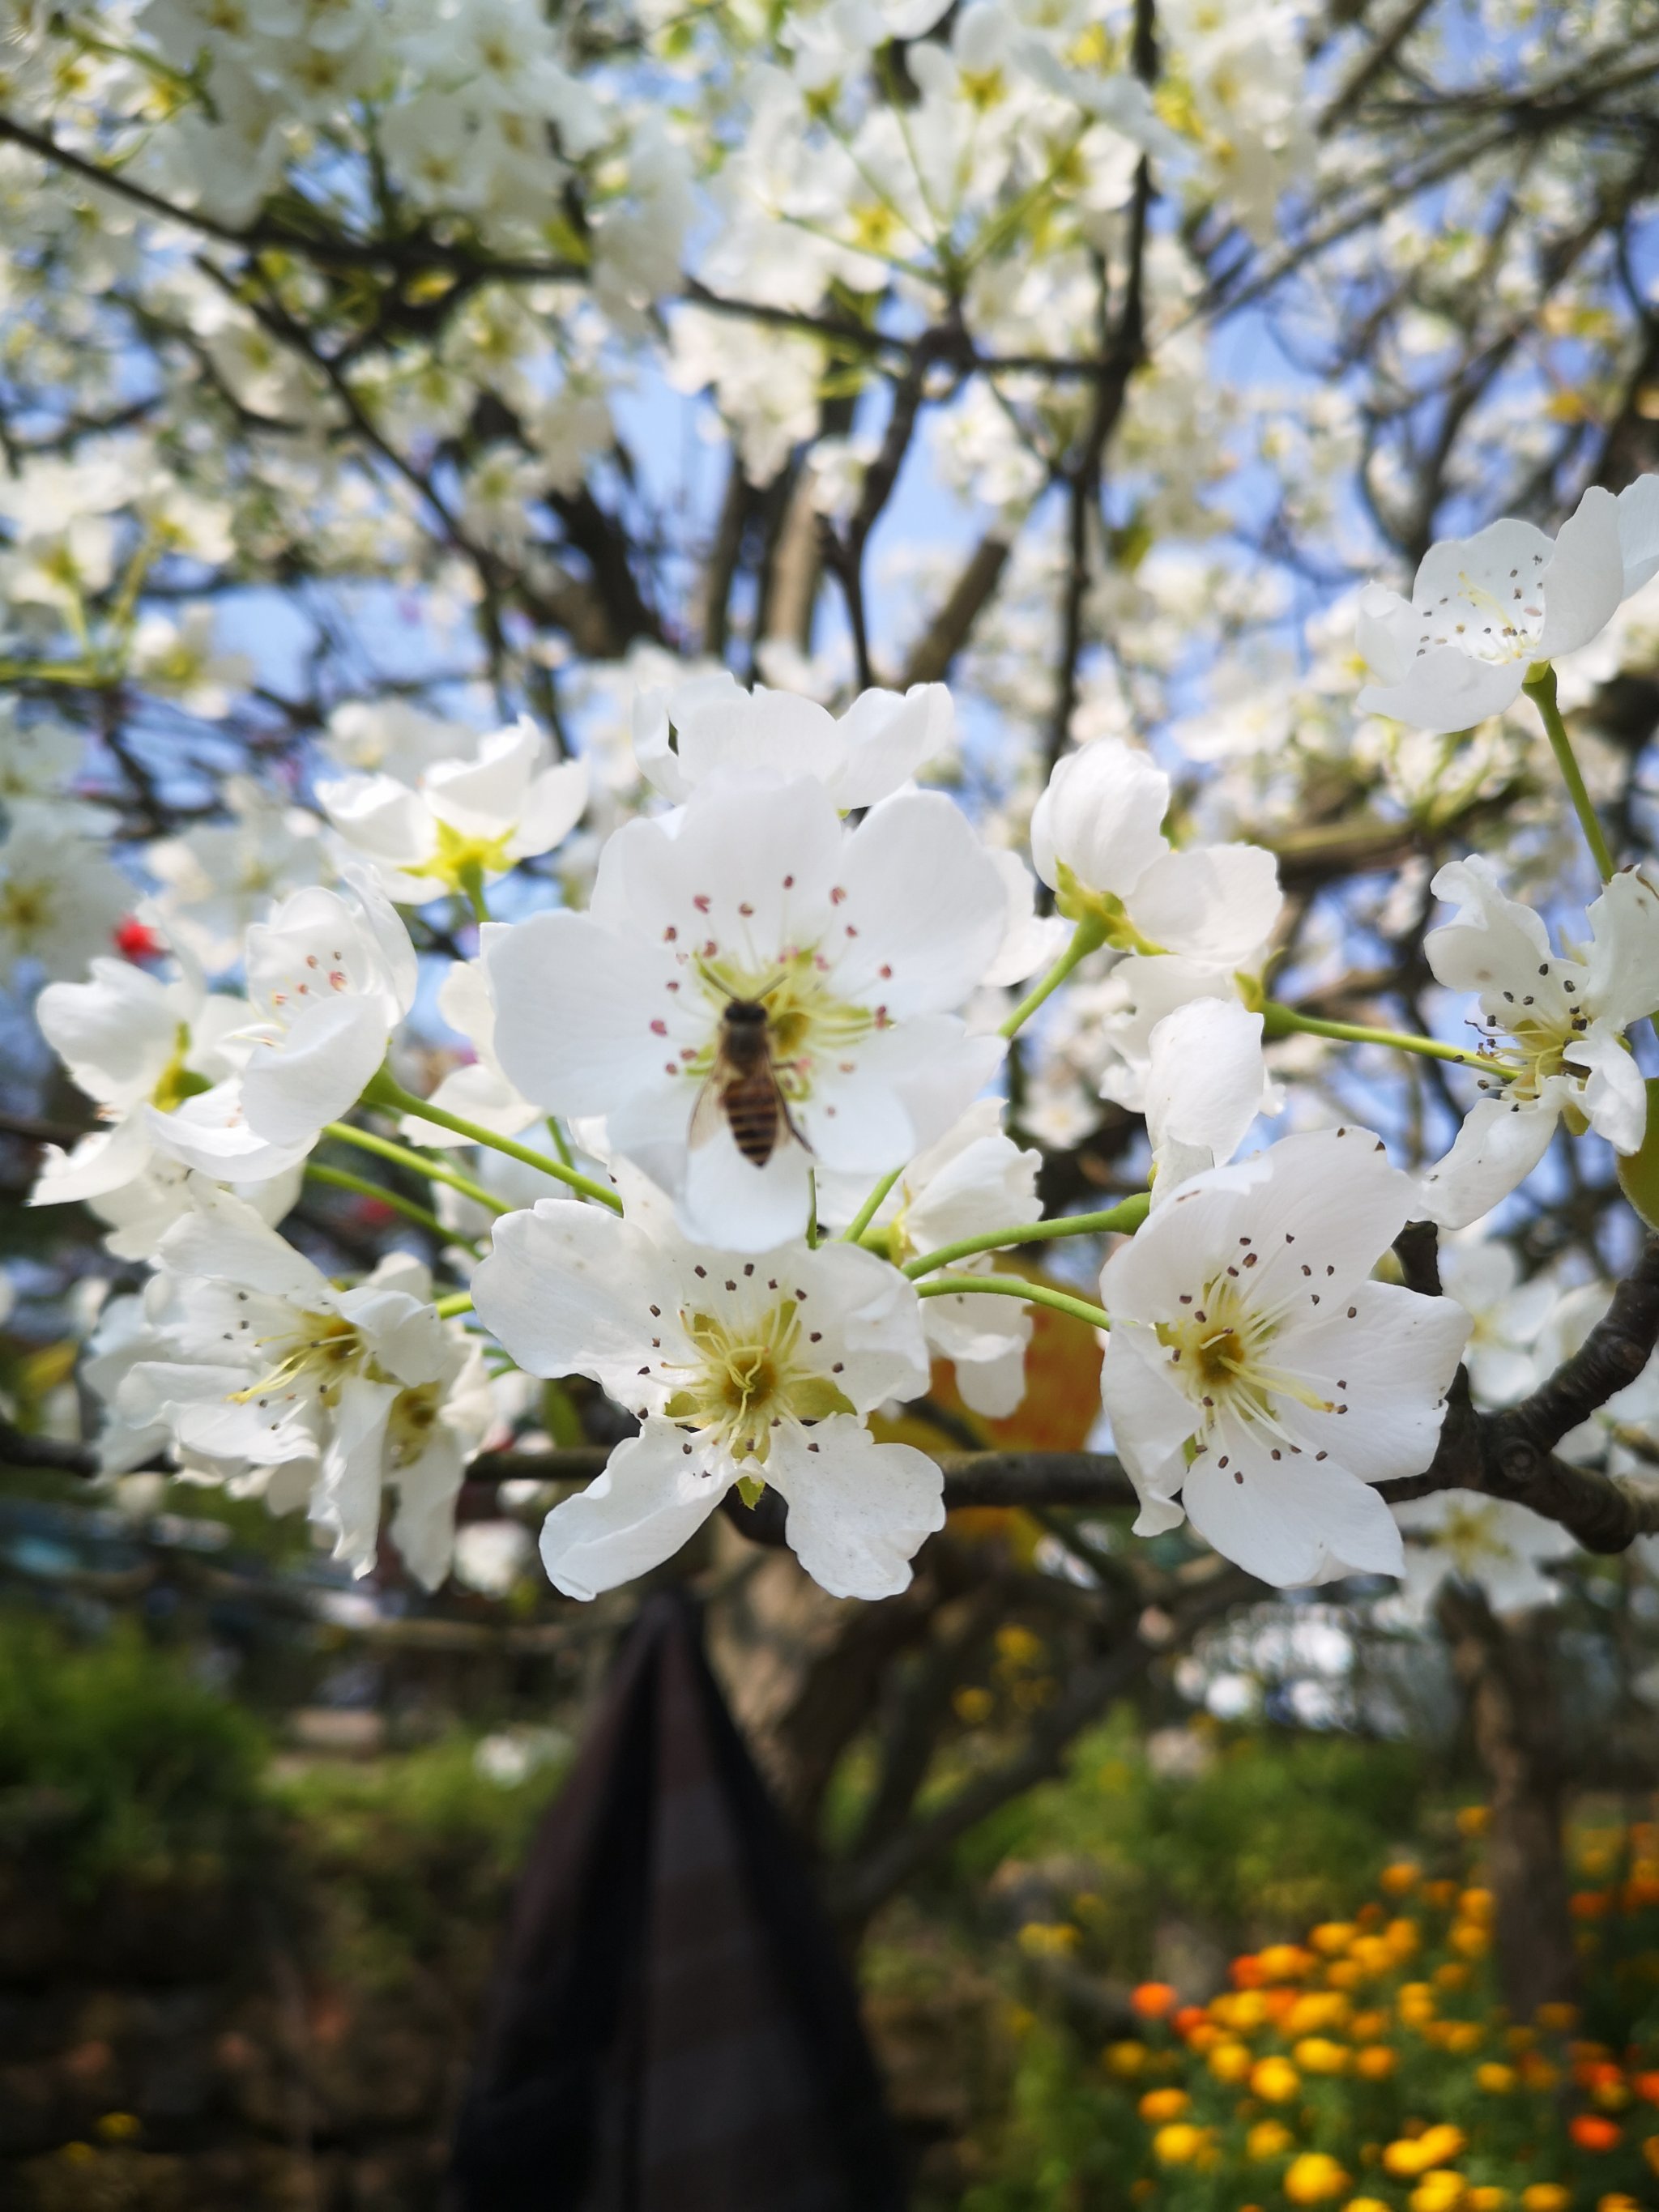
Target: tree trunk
pixel 1505 1677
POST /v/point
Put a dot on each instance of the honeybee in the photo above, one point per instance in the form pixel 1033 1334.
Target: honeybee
pixel 742 1087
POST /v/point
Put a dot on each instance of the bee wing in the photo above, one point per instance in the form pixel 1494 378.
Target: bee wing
pixel 707 1111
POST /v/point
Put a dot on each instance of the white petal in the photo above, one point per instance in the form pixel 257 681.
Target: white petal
pixel 1615 1098
pixel 1446 690
pixel 888 738
pixel 1150 1420
pixel 347 1498
pixel 380 817
pixel 725 1202
pixel 317 1072
pixel 423 1525
pixel 484 797
pixel 574 1003
pixel 105 1160
pixel 224 1240
pixel 1290 1521
pixel 1624 959
pixel 475 1093
pixel 858 1512
pixel 1389 1355
pixel 651 1498
pixel 117 1033
pixel 1204 1081
pixel 971 1330
pixel 1584 580
pixel 1500 1143
pixel 1495 944
pixel 1031 941
pixel 992 1387
pixel 569 1290
pixel 1385 633
pixel 209 1133
pixel 1101 817
pixel 1217 903
pixel 925 907
pixel 553 806
pixel 748 871
pixel 1638 531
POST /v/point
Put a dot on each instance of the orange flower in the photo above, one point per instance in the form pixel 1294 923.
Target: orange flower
pixel 1188 2018
pixel 1545 2197
pixel 1474 1820
pixel 1591 2132
pixel 1152 1999
pixel 1400 1877
pixel 1558 2019
pixel 1159 2104
pixel 1650 2151
pixel 1590 1904
pixel 1646 2086
pixel 1245 1973
pixel 1496 2080
pixel 1375 2062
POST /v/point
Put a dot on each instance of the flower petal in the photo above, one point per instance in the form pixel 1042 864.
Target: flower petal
pixel 1500 1143
pixel 569 1289
pixel 858 1512
pixel 1584 581
pixel 1290 1521
pixel 652 1496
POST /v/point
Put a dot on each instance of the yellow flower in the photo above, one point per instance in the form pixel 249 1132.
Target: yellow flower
pixel 1616 2201
pixel 120 2127
pixel 1487 2200
pixel 1438 2192
pixel 1124 2058
pixel 1453 1975
pixel 1179 2144
pixel 1558 2019
pixel 1413 2155
pixel 1231 2061
pixel 1314 2178
pixel 1375 2062
pixel 1473 1820
pixel 1478 1904
pixel 1284 1962
pixel 1269 2139
pixel 1333 1937
pixel 1463 2036
pixel 1400 1877
pixel 1275 2081
pixel 1402 1938
pixel 1018 1646
pixel 1497 2081
pixel 1317 2054
pixel 1316 2011
pixel 1048 1939
pixel 1164 2105
pixel 1365 2204
pixel 1545 2197
pixel 1471 1939
pixel 973 1705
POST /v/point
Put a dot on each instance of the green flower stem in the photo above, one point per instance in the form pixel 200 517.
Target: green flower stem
pixel 1088 937
pixel 458 1301
pixel 386 1091
pixel 1540 688
pixel 342 1179
pixel 1279 1021
pixel 434 1170
pixel 872 1207
pixel 1127 1217
pixel 1015 1286
pixel 471 884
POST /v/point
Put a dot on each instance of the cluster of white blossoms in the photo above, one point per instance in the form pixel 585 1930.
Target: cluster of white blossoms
pixel 731 1142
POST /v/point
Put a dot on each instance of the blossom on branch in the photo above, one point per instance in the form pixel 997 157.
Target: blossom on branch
pixel 1259 1383
pixel 1555 1024
pixel 753 1371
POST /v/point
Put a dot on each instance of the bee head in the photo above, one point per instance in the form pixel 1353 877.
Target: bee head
pixel 746 1013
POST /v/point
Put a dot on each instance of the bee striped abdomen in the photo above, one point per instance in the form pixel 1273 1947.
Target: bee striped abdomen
pixel 753 1114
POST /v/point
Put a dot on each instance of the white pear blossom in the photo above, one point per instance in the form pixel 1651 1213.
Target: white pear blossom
pixel 136 1042
pixel 856 943
pixel 478 1090
pixel 1256 1369
pixel 749 1370
pixel 1506 1314
pixel 218 878
pixel 61 899
pixel 1486 1543
pixel 973 1180
pixel 349 1393
pixel 1097 839
pixel 692 733
pixel 466 820
pixel 1204 1078
pixel 1485 608
pixel 1554 1024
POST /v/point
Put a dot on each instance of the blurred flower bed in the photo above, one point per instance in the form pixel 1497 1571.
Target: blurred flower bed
pixel 1370 2067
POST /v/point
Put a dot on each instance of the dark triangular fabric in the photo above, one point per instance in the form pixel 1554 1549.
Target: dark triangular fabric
pixel 671 2029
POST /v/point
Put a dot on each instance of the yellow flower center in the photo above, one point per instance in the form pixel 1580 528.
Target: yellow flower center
pixel 1219 1356
pixel 751 1372
pixel 313 1359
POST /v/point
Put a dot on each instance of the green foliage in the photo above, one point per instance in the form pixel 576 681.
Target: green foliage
pixel 111 1755
pixel 1277 1829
